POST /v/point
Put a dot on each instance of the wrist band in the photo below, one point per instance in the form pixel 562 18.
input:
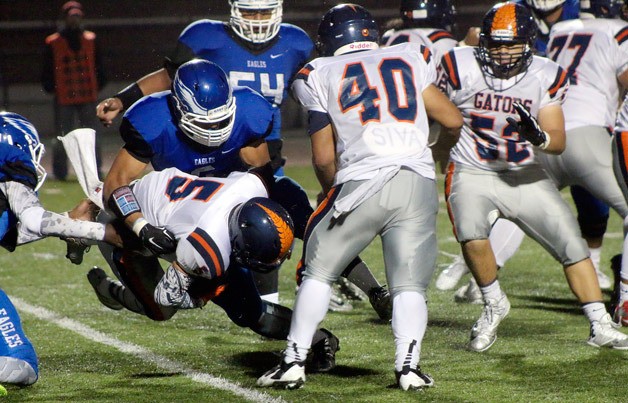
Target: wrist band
pixel 130 95
pixel 138 225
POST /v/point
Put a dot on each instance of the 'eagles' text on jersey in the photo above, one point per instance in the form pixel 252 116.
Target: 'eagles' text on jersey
pixel 487 140
pixel 374 101
pixel 267 70
pixel 151 134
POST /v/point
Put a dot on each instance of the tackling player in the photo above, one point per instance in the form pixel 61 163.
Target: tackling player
pixel 368 124
pixel 494 168
pixel 256 50
pixel 225 229
pixel 23 220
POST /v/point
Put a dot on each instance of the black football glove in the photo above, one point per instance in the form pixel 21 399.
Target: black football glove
pixel 529 128
pixel 158 240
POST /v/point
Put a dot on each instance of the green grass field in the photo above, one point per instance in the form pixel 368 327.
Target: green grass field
pixel 90 353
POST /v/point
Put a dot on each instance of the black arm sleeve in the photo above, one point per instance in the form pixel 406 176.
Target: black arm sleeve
pixel 181 54
pixel 134 143
pixel 316 121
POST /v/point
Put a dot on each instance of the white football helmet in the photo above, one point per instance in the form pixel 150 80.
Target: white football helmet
pixel 251 29
pixel 544 5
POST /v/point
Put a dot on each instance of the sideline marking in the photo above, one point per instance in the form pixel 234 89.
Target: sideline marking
pixel 142 353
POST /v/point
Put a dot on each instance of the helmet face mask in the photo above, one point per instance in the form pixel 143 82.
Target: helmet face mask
pixel 19 132
pixel 204 102
pixel 256 21
pixel 346 28
pixel 506 41
pixel 545 7
pixel 428 13
pixel 261 233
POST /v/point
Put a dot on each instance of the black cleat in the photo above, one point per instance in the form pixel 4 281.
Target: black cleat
pixel 322 358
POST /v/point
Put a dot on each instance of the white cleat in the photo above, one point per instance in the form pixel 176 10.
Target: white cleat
pixel 448 278
pixel 469 293
pixel 284 376
pixel 413 379
pixel 605 334
pixel 484 331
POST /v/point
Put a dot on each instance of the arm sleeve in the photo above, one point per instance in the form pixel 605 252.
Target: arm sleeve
pixel 35 222
pixel 172 290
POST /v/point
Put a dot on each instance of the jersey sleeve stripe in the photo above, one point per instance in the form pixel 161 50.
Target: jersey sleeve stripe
pixel 304 73
pixel 622 35
pixel 427 55
pixel 559 82
pixel 209 251
pixel 451 68
pixel 438 35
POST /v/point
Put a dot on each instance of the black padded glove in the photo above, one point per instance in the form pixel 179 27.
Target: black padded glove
pixel 529 128
pixel 158 240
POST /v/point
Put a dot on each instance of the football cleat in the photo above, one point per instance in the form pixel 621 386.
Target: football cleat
pixel 284 376
pixel 449 277
pixel 620 313
pixel 322 357
pixel 75 249
pixel 604 334
pixel 350 290
pixel 380 300
pixel 338 302
pixel 469 293
pixel 412 378
pixel 102 284
pixel 484 331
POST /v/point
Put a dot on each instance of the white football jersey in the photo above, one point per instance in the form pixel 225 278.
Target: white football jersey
pixel 375 104
pixel 196 210
pixel 593 52
pixel 487 140
pixel 438 41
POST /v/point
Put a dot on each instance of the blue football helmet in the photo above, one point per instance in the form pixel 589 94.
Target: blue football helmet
pixel 252 29
pixel 18 131
pixel 428 13
pixel 346 28
pixel 204 102
pixel 262 234
pixel 602 8
pixel 506 24
pixel 544 6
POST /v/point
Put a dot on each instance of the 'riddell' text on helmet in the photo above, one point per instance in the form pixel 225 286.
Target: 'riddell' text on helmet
pixel 346 28
pixel 506 40
pixel 204 103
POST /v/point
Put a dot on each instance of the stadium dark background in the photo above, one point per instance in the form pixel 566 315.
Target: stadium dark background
pixel 136 35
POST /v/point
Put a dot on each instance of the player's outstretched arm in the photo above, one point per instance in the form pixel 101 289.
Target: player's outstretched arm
pixel 108 109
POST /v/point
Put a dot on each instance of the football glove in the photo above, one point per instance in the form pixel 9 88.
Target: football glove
pixel 529 128
pixel 158 240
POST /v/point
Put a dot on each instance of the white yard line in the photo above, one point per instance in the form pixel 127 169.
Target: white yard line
pixel 142 353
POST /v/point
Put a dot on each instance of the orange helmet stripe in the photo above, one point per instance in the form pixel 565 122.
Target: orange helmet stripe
pixel 286 236
pixel 505 19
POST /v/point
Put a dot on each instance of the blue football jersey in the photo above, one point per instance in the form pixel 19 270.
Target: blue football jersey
pixel 151 134
pixel 268 70
pixel 571 11
pixel 15 166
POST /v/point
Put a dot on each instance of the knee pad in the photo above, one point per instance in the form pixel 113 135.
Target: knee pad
pixel 274 322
